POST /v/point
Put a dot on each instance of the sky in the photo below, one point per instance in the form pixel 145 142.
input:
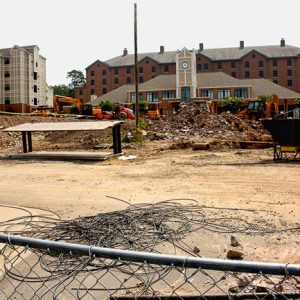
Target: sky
pixel 72 34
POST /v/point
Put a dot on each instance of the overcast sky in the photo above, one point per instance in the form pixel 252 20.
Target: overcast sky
pixel 72 34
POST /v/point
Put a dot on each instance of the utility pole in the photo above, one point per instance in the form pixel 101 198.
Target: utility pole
pixel 136 71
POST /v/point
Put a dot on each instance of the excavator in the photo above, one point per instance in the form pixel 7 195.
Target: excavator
pixel 258 109
pixel 60 101
pixel 119 113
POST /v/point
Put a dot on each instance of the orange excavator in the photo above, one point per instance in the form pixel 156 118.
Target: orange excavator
pixel 258 109
pixel 60 101
pixel 119 113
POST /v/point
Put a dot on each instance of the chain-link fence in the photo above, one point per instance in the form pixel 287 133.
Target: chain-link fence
pixel 42 269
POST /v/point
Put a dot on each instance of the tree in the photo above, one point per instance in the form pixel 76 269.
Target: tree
pixel 77 78
pixel 232 104
pixel 63 90
pixel 106 105
pixel 264 97
pixel 297 101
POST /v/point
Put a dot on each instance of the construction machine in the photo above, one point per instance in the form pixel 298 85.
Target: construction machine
pixel 60 101
pixel 153 110
pixel 119 112
pixel 258 109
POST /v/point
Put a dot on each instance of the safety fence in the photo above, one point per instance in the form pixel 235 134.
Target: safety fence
pixel 43 269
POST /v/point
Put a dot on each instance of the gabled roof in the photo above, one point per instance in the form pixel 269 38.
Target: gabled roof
pixel 97 61
pixel 237 53
pixel 128 60
pixel 275 51
pixel 117 95
pixel 29 49
pixel 267 87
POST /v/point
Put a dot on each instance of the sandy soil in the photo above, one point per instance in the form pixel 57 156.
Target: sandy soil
pixel 247 179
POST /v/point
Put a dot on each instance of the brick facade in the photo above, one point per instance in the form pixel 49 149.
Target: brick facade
pixel 283 69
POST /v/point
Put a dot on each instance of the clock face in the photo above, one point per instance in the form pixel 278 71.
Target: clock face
pixel 185 65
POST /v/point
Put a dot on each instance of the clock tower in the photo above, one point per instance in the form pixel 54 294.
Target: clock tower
pixel 186 80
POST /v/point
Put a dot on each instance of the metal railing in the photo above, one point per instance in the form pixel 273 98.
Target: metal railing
pixel 43 269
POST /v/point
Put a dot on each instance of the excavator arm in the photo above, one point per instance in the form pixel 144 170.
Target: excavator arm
pixel 59 100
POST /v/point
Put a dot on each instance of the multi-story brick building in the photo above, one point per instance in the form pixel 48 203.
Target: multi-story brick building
pixel 278 63
pixel 22 79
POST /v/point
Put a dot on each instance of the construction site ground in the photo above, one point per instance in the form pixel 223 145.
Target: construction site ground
pixel 224 176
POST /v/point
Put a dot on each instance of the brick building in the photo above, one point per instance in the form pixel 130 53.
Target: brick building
pixel 278 63
pixel 22 79
pixel 168 90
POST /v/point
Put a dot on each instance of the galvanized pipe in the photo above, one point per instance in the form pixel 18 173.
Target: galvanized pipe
pixel 154 258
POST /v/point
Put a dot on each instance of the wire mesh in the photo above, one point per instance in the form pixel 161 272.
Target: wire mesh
pixel 35 269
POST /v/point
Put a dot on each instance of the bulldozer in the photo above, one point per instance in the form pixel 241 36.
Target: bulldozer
pixel 258 109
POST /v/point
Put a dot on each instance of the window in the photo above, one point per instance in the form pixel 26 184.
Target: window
pixel 128 80
pixel 152 97
pixel 104 81
pixel 253 55
pixel 141 70
pixel 80 92
pixel 168 95
pixel 153 69
pixel 289 62
pixel 92 82
pixel 147 61
pixel 199 67
pixel 289 83
pixel 128 71
pixel 233 65
pixel 116 80
pixel 92 92
pixel 6 61
pixel 275 81
pixel 185 93
pixel 247 74
pixel 35 101
pixel 35 75
pixel 207 93
pixel 141 79
pixel 92 73
pixel 224 93
pixel 247 64
pixel 116 71
pixel 205 66
pixel 104 91
pixel 104 72
pixel 35 89
pixel 260 64
pixel 166 68
pixel 289 73
pixel 233 74
pixel 241 93
pixel 36 64
pixel 133 96
pixel 220 65
pixel 98 65
pixel 275 73
pixel 6 74
pixel 261 74
pixel 274 62
pixel 7 100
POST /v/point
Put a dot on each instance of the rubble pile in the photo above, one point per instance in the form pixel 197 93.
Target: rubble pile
pixel 193 121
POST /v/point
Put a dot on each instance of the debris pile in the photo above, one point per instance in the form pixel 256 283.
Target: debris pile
pixel 194 121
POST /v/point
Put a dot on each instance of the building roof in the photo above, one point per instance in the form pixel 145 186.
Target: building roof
pixel 267 87
pixel 128 60
pixel 274 51
pixel 29 49
pixel 204 80
pixel 117 95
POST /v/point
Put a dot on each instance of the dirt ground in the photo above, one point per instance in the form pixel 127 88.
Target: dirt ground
pixel 244 179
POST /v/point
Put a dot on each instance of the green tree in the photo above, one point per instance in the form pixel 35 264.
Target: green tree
pixel 264 97
pixel 77 78
pixel 232 104
pixel 106 105
pixel 143 107
pixel 297 101
pixel 63 90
